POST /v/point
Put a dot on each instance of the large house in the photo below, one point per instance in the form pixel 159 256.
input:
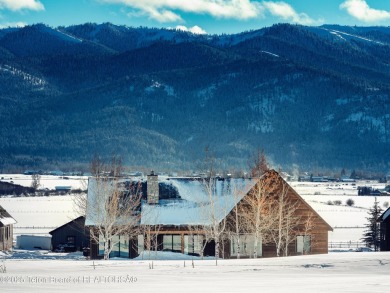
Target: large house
pixel 384 221
pixel 6 230
pixel 193 215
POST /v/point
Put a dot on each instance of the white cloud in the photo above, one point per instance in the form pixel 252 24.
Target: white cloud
pixel 195 29
pixel 165 10
pixel 163 15
pixel 21 4
pixel 169 10
pixel 12 24
pixel 361 11
pixel 288 13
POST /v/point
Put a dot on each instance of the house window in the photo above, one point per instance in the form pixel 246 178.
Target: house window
pixel 141 244
pixel 303 244
pixel 172 242
pixel 101 245
pixel 245 245
pixel 193 244
pixel 71 240
pixel 123 246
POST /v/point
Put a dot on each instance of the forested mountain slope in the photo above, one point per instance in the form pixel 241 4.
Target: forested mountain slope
pixel 310 96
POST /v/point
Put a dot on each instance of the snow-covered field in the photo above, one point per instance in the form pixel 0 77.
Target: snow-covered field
pixel 347 221
pixel 40 215
pixel 47 181
pixel 335 272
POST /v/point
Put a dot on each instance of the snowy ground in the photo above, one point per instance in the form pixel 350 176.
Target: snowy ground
pixel 347 221
pixel 47 181
pixel 335 272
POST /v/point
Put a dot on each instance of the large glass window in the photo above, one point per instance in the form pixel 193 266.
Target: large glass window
pixel 167 242
pixel 172 243
pixel 303 244
pixel 193 244
pixel 101 245
pixel 115 246
pixel 140 244
pixel 176 241
pixel 124 246
pixel 120 246
pixel 245 245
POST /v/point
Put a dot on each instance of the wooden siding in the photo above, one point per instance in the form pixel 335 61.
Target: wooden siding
pixel 385 235
pixel 76 229
pixel 6 237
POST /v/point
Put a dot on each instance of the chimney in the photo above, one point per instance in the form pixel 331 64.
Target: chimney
pixel 152 188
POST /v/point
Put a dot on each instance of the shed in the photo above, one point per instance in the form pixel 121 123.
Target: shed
pixel 384 221
pixel 6 229
pixel 33 242
pixel 72 236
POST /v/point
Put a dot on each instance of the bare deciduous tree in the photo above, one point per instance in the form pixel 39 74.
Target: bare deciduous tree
pixel 213 207
pixel 236 221
pixel 258 216
pixel 307 233
pixel 258 164
pixel 150 232
pixel 35 181
pixel 288 222
pixel 111 205
pixel 213 211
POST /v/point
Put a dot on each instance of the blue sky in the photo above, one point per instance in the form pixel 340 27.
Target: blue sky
pixel 200 16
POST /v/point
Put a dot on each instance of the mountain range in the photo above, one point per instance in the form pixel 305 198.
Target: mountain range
pixel 311 97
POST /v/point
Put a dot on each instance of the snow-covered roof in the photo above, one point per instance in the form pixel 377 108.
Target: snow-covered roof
pixel 195 206
pixel 5 217
pixel 98 194
pixel 191 205
pixel 385 214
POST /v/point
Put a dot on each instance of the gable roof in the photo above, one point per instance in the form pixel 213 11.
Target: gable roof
pixel 306 204
pixel 70 222
pixel 384 216
pixel 194 207
pixel 6 218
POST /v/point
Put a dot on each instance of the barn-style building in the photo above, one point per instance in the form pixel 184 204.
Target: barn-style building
pixel 384 221
pixel 72 236
pixel 177 212
pixel 6 230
